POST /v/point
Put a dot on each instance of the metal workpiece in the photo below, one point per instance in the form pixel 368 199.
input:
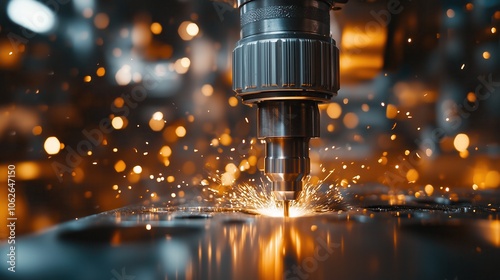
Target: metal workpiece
pixel 423 241
pixel 286 62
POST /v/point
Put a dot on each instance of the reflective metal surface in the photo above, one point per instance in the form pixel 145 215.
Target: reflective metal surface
pixel 412 241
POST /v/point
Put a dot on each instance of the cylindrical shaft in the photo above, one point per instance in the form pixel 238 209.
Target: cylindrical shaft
pixel 286 63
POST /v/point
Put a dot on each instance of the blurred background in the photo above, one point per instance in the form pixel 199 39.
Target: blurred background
pixel 105 104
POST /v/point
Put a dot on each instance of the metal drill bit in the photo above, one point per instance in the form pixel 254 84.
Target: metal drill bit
pixel 286 208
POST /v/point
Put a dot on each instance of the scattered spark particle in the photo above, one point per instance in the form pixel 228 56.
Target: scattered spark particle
pixel 493 31
pixel 101 71
pixel 246 119
pixel 117 123
pixel 148 227
pixel 334 110
pixel 409 40
pixel 158 116
pixel 429 189
pixel 10 53
pixel 259 199
pixel 156 28
pixel 233 101
pixel 37 130
pixel 461 142
pixel 52 145
pixel 207 90
pixel 180 131
pixel 486 55
pixel 137 169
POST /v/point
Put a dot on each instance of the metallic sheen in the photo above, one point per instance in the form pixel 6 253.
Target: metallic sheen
pixel 286 62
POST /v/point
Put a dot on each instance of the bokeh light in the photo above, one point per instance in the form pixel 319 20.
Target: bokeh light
pixel 52 145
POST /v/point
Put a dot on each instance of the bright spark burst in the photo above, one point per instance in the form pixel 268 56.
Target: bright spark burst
pixel 314 198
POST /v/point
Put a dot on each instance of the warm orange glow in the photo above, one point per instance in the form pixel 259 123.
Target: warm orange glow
pixel 334 110
pixel 429 189
pixel 492 179
pixel 412 175
pixel 233 101
pixel 101 21
pixel 351 120
pixel 28 170
pixel 120 166
pixel 362 52
pixel 471 97
pixel 181 66
pixel 450 13
pixel 180 131
pixel 52 145
pixel 490 230
pixel 165 151
pixel 391 111
pixel 119 102
pixel 188 30
pixel 461 142
pixel 137 169
pixel 101 71
pixel 156 28
pixel 207 90
pixel 117 123
pixel 37 130
pixel 226 139
pixel 156 125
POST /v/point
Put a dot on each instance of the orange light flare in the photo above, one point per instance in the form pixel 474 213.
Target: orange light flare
pixel 315 197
